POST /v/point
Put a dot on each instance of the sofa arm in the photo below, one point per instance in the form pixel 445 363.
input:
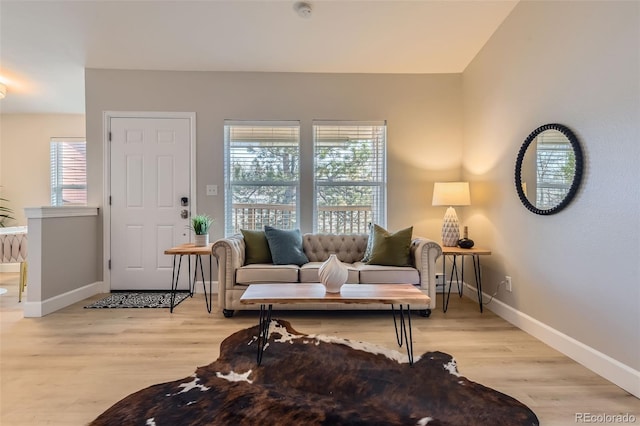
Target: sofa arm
pixel 424 253
pixel 230 255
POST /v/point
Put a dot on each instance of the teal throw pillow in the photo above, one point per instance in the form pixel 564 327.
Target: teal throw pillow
pixel 285 246
pixel 256 248
pixel 390 249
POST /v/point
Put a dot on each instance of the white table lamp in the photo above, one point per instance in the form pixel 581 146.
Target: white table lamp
pixel 451 194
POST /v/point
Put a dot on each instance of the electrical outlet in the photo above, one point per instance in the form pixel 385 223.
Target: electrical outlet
pixel 508 281
pixel 439 282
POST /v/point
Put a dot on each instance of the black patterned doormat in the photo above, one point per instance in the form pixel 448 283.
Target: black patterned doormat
pixel 139 300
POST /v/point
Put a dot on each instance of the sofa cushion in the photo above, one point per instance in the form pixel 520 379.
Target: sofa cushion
pixel 263 273
pixel 285 246
pixel 390 249
pixel 348 248
pixel 383 274
pixel 256 247
pixel 309 273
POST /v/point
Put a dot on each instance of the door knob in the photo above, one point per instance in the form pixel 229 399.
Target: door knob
pixel 184 214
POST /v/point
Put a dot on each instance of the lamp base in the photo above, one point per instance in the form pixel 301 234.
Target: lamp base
pixel 450 228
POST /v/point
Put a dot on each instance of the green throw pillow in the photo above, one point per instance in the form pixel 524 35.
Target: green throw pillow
pixel 256 247
pixel 390 249
pixel 285 246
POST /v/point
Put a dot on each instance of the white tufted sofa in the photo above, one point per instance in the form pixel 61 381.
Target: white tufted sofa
pixel 234 276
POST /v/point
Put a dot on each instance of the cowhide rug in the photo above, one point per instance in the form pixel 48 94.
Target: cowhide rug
pixel 318 380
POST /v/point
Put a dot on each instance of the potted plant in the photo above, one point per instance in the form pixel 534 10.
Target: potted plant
pixel 5 213
pixel 200 225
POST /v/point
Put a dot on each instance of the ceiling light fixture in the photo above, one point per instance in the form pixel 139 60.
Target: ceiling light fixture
pixel 3 91
pixel 303 9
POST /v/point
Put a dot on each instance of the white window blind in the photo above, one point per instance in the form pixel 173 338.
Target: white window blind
pixel 555 167
pixel 262 177
pixel 350 176
pixel 68 171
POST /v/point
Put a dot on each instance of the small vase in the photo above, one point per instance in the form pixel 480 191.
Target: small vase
pixel 465 242
pixel 333 274
pixel 201 240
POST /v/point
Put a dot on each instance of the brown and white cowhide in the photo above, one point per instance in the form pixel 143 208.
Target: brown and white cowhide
pixel 318 380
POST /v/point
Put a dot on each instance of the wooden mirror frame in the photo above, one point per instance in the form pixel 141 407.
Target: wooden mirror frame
pixel 577 176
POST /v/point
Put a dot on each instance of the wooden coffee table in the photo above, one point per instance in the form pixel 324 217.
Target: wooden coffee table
pixel 391 294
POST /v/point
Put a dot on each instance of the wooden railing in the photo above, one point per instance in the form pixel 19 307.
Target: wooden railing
pixel 255 216
pixel 335 220
pixel 344 219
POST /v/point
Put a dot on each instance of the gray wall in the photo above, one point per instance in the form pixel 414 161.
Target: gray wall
pixel 423 113
pixel 63 257
pixel 69 254
pixel 574 63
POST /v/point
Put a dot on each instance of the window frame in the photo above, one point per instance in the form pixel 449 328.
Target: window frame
pixel 229 226
pixel 57 174
pixel 379 206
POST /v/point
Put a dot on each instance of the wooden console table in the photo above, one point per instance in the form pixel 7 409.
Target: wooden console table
pixel 189 250
pixel 475 254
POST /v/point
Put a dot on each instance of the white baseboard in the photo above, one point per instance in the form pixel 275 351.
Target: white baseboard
pixel 613 370
pixel 40 309
pixel 214 287
pixel 9 267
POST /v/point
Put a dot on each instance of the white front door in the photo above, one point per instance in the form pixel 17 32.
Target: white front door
pixel 150 174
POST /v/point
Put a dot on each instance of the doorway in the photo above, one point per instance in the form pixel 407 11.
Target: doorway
pixel 150 196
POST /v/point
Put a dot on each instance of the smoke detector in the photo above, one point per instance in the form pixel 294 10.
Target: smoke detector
pixel 303 9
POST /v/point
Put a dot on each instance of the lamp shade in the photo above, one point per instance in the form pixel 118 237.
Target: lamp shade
pixel 451 194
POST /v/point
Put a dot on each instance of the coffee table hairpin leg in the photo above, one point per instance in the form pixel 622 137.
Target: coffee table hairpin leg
pixel 402 335
pixel 263 330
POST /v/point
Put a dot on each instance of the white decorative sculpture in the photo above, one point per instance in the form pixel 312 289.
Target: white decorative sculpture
pixel 333 274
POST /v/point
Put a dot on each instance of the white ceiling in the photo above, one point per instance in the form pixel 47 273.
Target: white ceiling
pixel 45 45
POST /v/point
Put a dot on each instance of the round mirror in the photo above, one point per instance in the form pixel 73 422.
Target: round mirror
pixel 548 169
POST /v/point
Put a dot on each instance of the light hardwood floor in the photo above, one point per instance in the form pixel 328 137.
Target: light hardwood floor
pixel 68 367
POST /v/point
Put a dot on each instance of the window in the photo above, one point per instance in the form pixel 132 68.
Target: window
pixel 262 179
pixel 263 176
pixel 555 167
pixel 350 176
pixel 68 171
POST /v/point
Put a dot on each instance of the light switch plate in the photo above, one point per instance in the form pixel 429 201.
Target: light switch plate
pixel 212 189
